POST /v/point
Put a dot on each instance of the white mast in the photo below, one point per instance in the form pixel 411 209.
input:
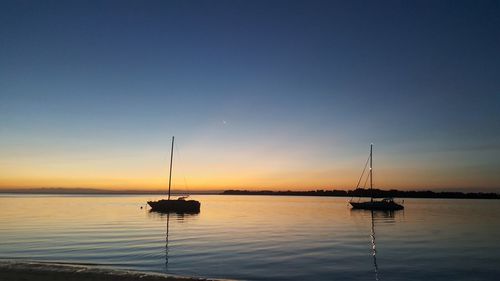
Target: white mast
pixel 171 159
pixel 371 172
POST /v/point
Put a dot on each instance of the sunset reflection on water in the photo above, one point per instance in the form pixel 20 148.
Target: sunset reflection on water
pixel 257 237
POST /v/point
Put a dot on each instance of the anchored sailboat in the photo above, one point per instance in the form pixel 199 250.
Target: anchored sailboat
pixel 386 204
pixel 179 205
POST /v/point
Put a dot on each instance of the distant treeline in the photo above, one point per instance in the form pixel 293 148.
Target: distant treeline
pixel 378 193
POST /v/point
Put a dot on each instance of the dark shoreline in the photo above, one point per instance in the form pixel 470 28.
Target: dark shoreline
pixel 12 270
pixel 376 193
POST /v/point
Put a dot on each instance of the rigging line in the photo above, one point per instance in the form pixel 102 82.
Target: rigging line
pixel 167 160
pixel 179 156
pixel 367 177
pixel 185 185
pixel 361 177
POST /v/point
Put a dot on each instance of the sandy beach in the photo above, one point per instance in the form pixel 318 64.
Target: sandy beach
pixel 41 271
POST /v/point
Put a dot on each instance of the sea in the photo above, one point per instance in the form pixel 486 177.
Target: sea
pixel 258 237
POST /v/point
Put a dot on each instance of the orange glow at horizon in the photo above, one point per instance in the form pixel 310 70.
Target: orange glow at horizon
pixel 235 165
pixel 252 180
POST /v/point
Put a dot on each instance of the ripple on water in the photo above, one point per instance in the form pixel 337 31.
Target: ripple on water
pixel 258 237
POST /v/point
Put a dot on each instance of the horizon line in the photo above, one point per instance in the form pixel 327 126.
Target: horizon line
pixel 91 190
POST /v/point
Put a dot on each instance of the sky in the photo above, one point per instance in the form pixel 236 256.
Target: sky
pixel 259 94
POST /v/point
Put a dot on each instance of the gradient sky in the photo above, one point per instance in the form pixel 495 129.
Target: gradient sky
pixel 259 94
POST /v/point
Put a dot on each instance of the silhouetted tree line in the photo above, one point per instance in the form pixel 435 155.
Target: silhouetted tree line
pixel 378 193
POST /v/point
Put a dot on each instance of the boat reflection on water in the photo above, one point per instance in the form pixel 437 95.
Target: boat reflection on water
pixel 166 241
pixel 374 246
pixel 179 217
pixel 386 217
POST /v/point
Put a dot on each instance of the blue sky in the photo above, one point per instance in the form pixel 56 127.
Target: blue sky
pixel 279 94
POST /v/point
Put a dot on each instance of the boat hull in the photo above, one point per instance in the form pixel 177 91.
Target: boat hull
pixel 175 206
pixel 377 205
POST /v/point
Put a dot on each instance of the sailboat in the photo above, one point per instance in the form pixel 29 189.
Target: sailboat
pixel 179 205
pixel 386 204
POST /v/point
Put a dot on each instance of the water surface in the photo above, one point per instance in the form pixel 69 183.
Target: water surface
pixel 259 237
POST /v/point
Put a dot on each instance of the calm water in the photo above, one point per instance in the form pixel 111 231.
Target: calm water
pixel 259 237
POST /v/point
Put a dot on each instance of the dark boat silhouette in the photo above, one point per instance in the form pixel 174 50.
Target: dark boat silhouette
pixel 386 204
pixel 179 205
